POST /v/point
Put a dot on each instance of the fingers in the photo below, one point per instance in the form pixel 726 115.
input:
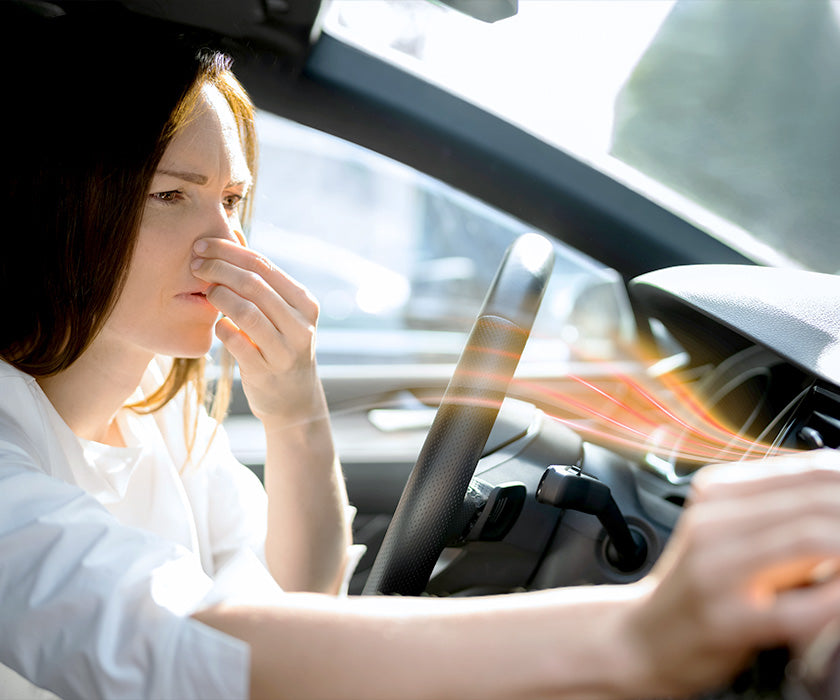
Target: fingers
pixel 764 536
pixel 267 311
pixel 239 344
pixel 242 260
pixel 273 326
pixel 799 614
pixel 793 617
pixel 785 555
pixel 809 500
pixel 736 480
pixel 752 564
pixel 775 511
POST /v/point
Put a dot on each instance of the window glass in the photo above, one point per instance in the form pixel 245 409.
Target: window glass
pixel 723 111
pixel 400 262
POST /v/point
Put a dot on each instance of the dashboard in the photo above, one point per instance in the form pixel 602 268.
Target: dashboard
pixel 757 357
pixel 769 340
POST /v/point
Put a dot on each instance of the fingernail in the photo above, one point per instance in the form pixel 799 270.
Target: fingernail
pixel 200 246
pixel 196 263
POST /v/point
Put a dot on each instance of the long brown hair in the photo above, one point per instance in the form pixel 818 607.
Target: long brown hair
pixel 95 98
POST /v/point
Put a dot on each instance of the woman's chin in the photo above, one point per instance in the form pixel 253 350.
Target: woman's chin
pixel 192 346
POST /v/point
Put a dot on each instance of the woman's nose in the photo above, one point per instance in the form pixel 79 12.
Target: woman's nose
pixel 223 224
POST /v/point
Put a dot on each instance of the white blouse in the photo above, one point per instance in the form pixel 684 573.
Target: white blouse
pixel 105 552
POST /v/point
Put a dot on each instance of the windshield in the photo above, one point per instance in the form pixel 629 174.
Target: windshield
pixel 724 112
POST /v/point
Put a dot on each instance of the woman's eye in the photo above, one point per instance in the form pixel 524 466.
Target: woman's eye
pixel 231 201
pixel 166 197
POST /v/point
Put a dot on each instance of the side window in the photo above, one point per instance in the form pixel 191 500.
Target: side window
pixel 400 262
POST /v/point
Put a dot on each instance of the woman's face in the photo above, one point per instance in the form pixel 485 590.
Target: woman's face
pixel 195 193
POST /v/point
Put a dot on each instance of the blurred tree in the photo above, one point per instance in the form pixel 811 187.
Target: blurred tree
pixel 736 104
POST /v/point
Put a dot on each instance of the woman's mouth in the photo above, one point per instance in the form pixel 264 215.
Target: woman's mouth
pixel 199 298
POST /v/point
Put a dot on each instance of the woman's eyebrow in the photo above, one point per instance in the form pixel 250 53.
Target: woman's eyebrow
pixel 199 179
pixel 195 178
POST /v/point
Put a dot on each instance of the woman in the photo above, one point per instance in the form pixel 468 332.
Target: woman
pixel 137 559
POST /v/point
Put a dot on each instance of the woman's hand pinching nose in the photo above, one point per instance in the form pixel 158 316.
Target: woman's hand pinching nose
pixel 268 325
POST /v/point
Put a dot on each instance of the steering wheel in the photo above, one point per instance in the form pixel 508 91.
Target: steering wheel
pixel 435 490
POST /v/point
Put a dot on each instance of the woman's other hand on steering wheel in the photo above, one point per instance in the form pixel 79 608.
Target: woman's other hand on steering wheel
pixel 752 564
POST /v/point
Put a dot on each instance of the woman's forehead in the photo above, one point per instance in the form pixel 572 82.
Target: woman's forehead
pixel 208 140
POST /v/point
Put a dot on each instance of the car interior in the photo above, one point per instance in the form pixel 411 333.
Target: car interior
pixel 526 355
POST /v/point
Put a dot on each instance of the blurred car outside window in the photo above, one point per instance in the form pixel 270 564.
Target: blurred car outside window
pixel 400 262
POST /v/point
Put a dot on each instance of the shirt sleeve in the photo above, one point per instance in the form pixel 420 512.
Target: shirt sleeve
pixel 93 609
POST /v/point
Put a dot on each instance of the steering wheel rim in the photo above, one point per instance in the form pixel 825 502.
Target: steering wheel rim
pixel 435 490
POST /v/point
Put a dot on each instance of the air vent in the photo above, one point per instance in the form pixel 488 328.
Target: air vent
pixel 818 422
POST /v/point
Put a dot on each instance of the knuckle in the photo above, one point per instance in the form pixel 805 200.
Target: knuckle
pixel 301 343
pixel 314 308
pixel 252 285
pixel 308 338
pixel 703 483
pixel 263 265
pixel 248 315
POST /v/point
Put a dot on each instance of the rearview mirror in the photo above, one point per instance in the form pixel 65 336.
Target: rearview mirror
pixel 485 10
